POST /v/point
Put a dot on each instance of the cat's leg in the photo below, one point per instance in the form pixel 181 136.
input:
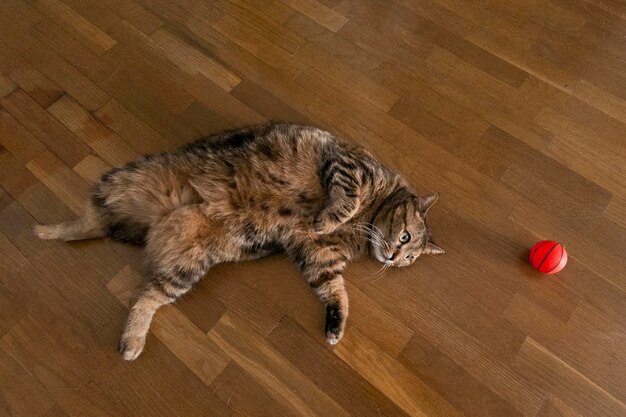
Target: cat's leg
pixel 89 226
pixel 322 264
pixel 342 184
pixel 180 249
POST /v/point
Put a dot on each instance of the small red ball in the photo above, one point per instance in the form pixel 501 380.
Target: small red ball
pixel 548 257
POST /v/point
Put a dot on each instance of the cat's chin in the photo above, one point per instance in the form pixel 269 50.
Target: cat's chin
pixel 379 255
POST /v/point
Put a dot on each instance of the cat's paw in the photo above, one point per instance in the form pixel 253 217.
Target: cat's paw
pixel 43 231
pixel 334 325
pixel 332 338
pixel 130 347
pixel 323 225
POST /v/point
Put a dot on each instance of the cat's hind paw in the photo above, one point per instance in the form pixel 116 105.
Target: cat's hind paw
pixel 44 231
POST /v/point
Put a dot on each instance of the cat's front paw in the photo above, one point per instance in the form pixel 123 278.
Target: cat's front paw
pixel 334 324
pixel 332 338
pixel 130 347
pixel 324 225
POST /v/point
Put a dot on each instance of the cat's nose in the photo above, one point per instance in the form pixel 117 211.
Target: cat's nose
pixel 392 257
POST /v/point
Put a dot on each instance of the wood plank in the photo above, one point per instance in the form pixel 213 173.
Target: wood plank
pixel 449 18
pixel 153 386
pixel 56 38
pixel 16 19
pixel 180 12
pixel 603 168
pixel 192 61
pixel 95 135
pixel 411 394
pixel 56 411
pixel 554 407
pixel 243 394
pixel 249 38
pixel 97 40
pixel 97 12
pixel 14 178
pixel 474 356
pixel 546 174
pixel 197 85
pixel 447 377
pixel 44 207
pixel 56 137
pixel 275 82
pixel 134 93
pixel 344 49
pixel 256 310
pixel 422 98
pixel 616 210
pixel 323 15
pixel 429 125
pixel 264 24
pixel 226 106
pixel 548 371
pixel 60 179
pixel 141 136
pixel 326 370
pixel 267 104
pixel 278 376
pixel 472 54
pixel 137 15
pixel 6 85
pixel 91 168
pixel 202 308
pixel 36 85
pixel 362 86
pixel 21 394
pixel 67 77
pixel 11 309
pixel 19 141
pixel 66 380
pixel 601 344
pixel 148 76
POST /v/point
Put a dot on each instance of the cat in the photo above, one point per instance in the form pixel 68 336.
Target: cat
pixel 248 193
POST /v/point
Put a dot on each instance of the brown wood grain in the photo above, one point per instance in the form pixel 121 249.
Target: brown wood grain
pixel 45 127
pixel 515 112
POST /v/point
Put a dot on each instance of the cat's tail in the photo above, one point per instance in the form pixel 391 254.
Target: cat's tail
pixel 89 226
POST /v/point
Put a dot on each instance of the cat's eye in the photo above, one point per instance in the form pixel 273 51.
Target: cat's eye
pixel 405 237
pixel 408 257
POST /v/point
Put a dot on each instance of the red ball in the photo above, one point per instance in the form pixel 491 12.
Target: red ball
pixel 548 257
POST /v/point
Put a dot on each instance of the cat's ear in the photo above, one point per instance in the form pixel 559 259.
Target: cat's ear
pixel 425 202
pixel 432 249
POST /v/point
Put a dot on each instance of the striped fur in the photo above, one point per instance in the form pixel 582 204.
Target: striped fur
pixel 245 194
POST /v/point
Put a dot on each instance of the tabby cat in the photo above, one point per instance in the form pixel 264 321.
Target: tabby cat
pixel 248 193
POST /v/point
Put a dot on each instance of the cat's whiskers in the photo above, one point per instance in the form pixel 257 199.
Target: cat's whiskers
pixel 374 239
pixel 380 273
pixel 374 235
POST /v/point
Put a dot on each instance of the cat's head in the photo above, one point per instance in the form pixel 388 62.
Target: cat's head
pixel 403 233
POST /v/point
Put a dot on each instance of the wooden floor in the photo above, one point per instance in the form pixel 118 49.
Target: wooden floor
pixel 515 111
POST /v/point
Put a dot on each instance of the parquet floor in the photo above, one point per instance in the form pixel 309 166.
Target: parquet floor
pixel 515 111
